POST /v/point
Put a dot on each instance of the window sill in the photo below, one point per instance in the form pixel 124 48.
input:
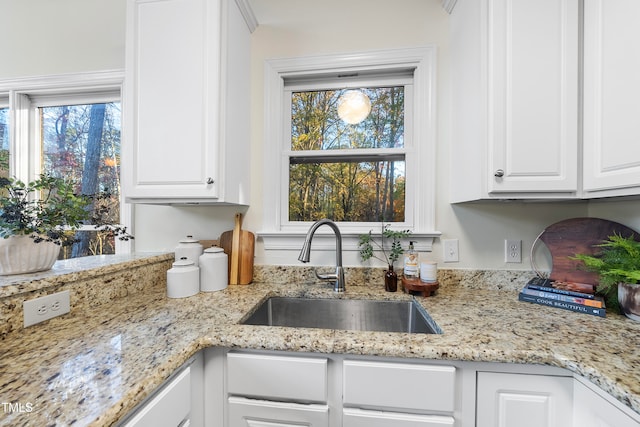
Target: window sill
pixel 325 240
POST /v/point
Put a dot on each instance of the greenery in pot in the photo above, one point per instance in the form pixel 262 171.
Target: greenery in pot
pixel 617 262
pixel 366 244
pixel 47 209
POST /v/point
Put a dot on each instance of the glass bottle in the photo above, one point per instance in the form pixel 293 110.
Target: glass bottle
pixel 390 280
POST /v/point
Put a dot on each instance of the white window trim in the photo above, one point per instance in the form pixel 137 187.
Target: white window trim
pixel 22 138
pixel 277 235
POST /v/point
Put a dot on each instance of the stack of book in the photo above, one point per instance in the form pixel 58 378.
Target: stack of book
pixel 541 291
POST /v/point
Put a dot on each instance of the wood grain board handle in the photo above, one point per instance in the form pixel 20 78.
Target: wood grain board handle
pixel 234 276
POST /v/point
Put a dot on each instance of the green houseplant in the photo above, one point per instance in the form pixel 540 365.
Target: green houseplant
pixel 42 216
pixel 366 243
pixel 618 268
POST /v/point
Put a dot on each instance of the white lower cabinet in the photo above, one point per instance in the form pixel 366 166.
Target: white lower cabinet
pixel 523 400
pixel 591 409
pixel 254 388
pixel 365 418
pixel 176 403
pixel 273 390
pixel 399 386
pixel 389 394
pixel 262 413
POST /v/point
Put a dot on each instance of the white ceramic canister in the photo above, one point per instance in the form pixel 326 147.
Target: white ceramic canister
pixel 190 248
pixel 213 270
pixel 183 279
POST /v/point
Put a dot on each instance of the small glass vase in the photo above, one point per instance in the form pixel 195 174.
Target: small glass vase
pixel 390 280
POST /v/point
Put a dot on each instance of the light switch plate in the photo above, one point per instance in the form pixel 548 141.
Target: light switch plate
pixel 44 308
pixel 450 250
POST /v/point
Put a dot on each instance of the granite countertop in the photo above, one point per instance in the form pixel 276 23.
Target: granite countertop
pixel 91 367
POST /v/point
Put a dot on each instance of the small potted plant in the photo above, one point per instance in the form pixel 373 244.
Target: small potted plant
pixel 39 217
pixel 366 244
pixel 618 267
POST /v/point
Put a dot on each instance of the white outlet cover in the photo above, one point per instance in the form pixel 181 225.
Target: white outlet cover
pixel 47 307
pixel 512 250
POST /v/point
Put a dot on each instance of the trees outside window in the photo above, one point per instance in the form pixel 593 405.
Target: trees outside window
pixel 82 143
pixel 353 172
pixel 69 126
pixel 4 142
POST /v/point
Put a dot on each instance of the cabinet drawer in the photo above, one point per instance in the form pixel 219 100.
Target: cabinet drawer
pixel 361 418
pixel 247 412
pixel 399 385
pixel 277 377
pixel 168 407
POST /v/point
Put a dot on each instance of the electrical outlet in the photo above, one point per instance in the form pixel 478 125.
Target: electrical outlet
pixel 44 308
pixel 450 250
pixel 512 250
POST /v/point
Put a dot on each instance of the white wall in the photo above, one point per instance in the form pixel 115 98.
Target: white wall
pixel 42 37
pixel 38 28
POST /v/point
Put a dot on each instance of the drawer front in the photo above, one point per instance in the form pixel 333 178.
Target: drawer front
pixel 399 385
pixel 277 377
pixel 169 407
pixel 259 413
pixel 360 418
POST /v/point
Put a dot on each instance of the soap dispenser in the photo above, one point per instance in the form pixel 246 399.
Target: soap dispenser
pixel 411 262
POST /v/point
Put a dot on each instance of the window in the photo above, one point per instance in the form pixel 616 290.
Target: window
pixel 358 172
pixel 346 168
pixel 69 127
pixel 4 137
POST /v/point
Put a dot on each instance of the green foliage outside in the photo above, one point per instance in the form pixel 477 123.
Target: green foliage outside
pixel 357 189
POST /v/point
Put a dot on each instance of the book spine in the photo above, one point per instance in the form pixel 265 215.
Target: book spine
pixel 597 303
pixel 562 291
pixel 601 312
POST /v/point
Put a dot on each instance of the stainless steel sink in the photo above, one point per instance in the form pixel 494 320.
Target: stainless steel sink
pixel 345 314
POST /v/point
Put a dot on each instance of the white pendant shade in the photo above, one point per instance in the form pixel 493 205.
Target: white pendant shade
pixel 353 107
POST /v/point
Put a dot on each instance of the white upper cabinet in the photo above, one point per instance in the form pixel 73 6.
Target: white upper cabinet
pixel 515 99
pixel 611 98
pixel 186 103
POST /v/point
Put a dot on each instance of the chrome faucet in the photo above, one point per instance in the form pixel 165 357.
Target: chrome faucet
pixel 305 254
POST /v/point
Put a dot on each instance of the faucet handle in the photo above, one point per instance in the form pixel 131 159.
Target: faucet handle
pixel 338 276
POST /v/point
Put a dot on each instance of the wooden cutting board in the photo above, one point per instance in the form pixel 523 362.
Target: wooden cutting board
pixel 578 236
pixel 239 245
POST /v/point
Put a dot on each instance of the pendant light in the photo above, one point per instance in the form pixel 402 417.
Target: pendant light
pixel 353 106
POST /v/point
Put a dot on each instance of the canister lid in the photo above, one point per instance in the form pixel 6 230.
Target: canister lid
pixel 183 262
pixel 189 239
pixel 213 250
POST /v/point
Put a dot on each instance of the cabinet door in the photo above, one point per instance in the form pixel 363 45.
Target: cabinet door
pixel 532 95
pixel 261 413
pixel 592 410
pixel 611 98
pixel 169 407
pixel 362 418
pixel 172 99
pixel 520 400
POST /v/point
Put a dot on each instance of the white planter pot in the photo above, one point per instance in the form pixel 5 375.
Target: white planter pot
pixel 20 255
pixel 629 299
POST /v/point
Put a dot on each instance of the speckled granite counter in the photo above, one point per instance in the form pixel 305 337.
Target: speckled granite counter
pixel 91 367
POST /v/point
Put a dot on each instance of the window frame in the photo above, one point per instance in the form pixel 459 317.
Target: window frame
pixel 26 95
pixel 279 233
